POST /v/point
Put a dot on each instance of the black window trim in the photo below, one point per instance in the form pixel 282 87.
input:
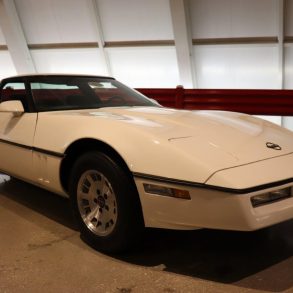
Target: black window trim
pixel 27 79
pixel 28 96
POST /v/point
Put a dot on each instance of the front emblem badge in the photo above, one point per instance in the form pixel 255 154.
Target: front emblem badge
pixel 273 146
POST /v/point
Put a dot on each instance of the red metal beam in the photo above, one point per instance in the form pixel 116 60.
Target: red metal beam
pixel 258 102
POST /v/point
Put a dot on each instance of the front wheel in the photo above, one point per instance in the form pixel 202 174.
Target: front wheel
pixel 105 203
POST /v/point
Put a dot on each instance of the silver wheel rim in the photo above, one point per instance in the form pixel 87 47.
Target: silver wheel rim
pixel 96 202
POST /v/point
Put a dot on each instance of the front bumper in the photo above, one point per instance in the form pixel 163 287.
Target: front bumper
pixel 209 208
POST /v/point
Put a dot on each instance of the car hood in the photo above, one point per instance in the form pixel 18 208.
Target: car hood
pixel 217 139
pixel 190 145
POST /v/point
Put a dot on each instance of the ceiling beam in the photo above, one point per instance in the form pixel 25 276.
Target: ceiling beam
pixel 183 42
pixel 285 121
pixel 15 39
pixel 280 18
pixel 100 37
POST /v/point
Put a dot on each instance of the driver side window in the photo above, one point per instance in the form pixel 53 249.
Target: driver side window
pixel 14 91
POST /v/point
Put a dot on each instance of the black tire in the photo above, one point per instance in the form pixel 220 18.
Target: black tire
pixel 118 224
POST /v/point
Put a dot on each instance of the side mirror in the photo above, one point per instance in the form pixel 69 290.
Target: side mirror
pixel 14 107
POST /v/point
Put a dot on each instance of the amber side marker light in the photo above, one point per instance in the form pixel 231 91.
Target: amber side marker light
pixel 166 191
pixel 266 198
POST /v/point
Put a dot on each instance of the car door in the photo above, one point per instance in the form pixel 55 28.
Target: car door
pixel 16 133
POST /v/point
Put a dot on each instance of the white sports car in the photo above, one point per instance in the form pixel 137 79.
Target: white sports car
pixel 126 162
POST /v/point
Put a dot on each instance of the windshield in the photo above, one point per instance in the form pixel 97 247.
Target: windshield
pixel 52 93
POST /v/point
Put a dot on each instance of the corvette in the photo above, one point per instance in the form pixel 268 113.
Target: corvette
pixel 126 163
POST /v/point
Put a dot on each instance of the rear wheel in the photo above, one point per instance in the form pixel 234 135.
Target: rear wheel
pixel 105 203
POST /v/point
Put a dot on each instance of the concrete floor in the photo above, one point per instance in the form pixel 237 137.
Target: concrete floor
pixel 41 251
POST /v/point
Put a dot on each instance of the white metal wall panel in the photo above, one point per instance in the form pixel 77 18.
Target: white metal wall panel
pixel 288 18
pixel 237 66
pixel 6 65
pixel 2 39
pixel 133 20
pixel 55 21
pixel 288 78
pixel 145 67
pixel 233 18
pixel 84 61
pixel 274 119
pixel 288 66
